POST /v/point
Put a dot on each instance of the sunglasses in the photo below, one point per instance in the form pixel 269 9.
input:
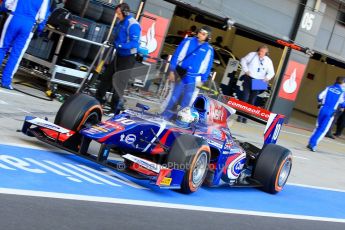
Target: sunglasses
pixel 203 32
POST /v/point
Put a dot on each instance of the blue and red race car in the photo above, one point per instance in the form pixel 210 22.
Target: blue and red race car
pixel 168 155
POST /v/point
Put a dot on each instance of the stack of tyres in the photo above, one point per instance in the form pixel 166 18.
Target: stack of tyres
pixel 81 49
pixel 108 15
pixel 100 37
pixel 94 10
pixel 40 47
pixel 62 20
pixel 95 32
pixel 76 29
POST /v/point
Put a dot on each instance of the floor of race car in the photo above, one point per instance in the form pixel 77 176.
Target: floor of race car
pixel 73 193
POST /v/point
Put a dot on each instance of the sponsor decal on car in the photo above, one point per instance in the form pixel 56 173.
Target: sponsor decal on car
pixel 46 124
pixel 144 163
pixel 101 128
pixel 247 108
pixel 125 121
pixel 129 139
pixel 237 166
pixel 215 144
pixel 166 181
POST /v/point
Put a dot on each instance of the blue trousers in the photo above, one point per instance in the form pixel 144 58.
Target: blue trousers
pixel 16 35
pixel 186 92
pixel 324 121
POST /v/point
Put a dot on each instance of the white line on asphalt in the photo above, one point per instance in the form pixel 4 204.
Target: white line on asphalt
pixel 72 172
pixel 303 135
pixel 23 110
pixel 316 187
pixel 91 175
pixel 114 176
pixel 53 170
pixel 308 136
pixel 163 205
pixel 303 158
pixel 3 102
pixel 7 92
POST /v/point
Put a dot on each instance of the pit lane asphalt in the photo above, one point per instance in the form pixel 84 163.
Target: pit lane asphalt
pixel 321 169
pixel 32 213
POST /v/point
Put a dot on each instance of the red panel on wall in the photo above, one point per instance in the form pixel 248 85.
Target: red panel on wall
pixel 153 31
pixel 292 80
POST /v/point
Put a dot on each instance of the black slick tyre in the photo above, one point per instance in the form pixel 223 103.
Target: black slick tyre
pixel 192 154
pixel 273 168
pixel 78 111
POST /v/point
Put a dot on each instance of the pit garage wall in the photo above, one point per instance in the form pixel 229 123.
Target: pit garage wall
pixel 275 18
pixel 280 18
pixel 256 14
pixel 331 37
pixel 330 41
pixel 324 75
pixel 155 23
pixel 239 45
pixel 289 83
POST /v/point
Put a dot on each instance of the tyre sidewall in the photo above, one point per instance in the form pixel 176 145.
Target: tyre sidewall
pixel 278 169
pixel 185 152
pixel 268 167
pixel 74 112
pixel 192 164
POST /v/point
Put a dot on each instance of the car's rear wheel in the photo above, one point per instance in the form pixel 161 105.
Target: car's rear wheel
pixel 79 111
pixel 192 154
pixel 273 167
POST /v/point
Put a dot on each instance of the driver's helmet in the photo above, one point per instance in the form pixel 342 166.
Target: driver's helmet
pixel 187 116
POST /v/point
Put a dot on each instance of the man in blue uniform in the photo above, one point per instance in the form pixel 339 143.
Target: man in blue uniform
pixel 330 100
pixel 191 63
pixel 127 35
pixel 17 33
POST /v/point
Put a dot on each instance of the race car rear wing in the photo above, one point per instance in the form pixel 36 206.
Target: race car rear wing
pixel 272 121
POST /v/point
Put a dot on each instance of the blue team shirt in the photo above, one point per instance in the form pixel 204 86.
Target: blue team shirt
pixel 196 58
pixel 332 97
pixel 127 36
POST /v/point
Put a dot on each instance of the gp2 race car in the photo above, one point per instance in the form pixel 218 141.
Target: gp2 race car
pixel 167 155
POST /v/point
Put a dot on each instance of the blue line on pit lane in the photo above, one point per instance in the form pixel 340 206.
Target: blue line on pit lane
pixel 37 170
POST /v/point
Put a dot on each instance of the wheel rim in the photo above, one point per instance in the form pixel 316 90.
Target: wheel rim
pixel 199 169
pixel 284 173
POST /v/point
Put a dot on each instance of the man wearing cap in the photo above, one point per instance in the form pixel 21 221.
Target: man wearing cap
pixel 190 66
pixel 330 99
pixel 127 35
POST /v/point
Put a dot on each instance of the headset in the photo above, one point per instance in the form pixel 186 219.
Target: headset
pixel 208 30
pixel 263 47
pixel 124 7
pixel 340 80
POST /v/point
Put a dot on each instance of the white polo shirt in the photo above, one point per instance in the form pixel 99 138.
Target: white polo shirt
pixel 258 68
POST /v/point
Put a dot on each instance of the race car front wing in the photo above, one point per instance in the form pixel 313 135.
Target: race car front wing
pixel 140 168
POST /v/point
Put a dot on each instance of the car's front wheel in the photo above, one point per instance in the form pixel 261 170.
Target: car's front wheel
pixel 273 167
pixel 78 111
pixel 191 154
